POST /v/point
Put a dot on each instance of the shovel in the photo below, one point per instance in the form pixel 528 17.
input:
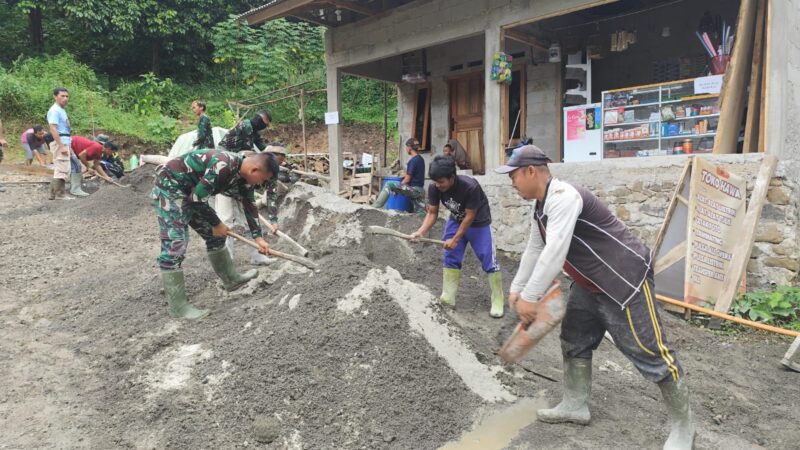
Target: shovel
pixel 552 309
pixel 109 180
pixel 373 229
pixel 298 259
pixel 284 236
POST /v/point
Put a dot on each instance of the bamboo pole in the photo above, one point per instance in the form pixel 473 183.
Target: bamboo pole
pixel 303 122
pixel 724 316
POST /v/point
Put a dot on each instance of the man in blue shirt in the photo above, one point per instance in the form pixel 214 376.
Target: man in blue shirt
pixel 64 159
pixel 412 183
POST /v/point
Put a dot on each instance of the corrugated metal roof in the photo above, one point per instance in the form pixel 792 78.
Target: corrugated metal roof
pixel 260 8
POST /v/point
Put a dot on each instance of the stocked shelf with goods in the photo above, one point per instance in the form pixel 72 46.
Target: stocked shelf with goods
pixel 661 119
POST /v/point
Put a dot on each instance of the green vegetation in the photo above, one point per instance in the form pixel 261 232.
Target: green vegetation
pixel 26 94
pixel 133 68
pixel 780 307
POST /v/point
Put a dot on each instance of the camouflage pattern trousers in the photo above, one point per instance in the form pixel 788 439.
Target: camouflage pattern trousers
pixel 175 215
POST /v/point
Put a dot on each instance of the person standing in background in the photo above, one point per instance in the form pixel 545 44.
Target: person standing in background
pixel 64 161
pixel 205 137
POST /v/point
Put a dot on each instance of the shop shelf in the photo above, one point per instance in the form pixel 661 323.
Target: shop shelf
pixel 655 138
pixel 679 92
pixel 690 98
pixel 633 106
pixel 684 136
pixel 692 117
pixel 639 122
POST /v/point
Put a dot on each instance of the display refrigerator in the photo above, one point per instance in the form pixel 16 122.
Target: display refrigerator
pixel 583 133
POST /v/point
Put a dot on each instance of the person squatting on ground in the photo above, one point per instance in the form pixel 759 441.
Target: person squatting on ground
pixel 3 143
pixel 34 141
pixel 205 137
pixel 469 223
pixel 612 291
pixel 413 182
pixel 181 192
pixel 65 163
pixel 111 161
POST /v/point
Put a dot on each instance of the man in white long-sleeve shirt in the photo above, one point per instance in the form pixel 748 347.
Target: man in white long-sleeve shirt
pixel 612 291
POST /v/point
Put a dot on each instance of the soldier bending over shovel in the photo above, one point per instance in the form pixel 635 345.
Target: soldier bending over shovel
pixel 612 291
pixel 182 189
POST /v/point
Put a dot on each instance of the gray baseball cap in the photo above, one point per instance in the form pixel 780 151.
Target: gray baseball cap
pixel 527 155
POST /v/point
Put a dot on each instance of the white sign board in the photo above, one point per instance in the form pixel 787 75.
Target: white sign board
pixel 332 118
pixel 716 221
pixel 708 85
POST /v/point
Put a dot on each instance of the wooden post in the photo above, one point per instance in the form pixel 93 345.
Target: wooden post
pixel 385 123
pixel 742 254
pixel 731 101
pixel 762 129
pixel 753 123
pixel 303 122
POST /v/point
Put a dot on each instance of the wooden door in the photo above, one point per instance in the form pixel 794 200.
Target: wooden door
pixel 466 117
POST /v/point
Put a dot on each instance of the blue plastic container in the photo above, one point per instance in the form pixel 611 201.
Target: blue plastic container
pixel 397 202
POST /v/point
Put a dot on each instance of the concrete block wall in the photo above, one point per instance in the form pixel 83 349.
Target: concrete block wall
pixel 543 86
pixel 638 191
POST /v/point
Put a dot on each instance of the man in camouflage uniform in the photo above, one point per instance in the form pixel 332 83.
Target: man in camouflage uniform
pixel 242 137
pixel 205 137
pixel 182 189
pixel 246 133
pixel 271 191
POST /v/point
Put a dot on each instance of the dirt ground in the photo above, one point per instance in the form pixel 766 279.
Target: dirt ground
pixel 353 356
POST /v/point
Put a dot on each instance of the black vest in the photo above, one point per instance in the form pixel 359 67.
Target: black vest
pixel 603 250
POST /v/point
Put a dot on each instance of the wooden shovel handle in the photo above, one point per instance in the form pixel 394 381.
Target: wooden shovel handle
pixel 284 236
pixel 389 232
pixel 298 259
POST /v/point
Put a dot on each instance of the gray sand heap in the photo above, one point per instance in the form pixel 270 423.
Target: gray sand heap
pixel 350 356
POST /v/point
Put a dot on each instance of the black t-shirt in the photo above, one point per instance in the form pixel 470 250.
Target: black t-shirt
pixel 465 194
pixel 415 168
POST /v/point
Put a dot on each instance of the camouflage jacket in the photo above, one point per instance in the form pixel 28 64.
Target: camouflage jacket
pixel 242 137
pixel 202 173
pixel 271 200
pixel 205 138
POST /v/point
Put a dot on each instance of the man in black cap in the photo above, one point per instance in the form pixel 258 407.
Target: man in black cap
pixel 612 291
pixel 413 181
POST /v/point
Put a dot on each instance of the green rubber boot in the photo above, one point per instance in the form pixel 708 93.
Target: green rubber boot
pixel 223 266
pixel 496 283
pixel 75 180
pixel 450 286
pixel 382 198
pixel 574 407
pixel 676 397
pixel 175 291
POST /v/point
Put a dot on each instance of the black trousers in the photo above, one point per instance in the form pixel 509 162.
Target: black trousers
pixel 637 331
